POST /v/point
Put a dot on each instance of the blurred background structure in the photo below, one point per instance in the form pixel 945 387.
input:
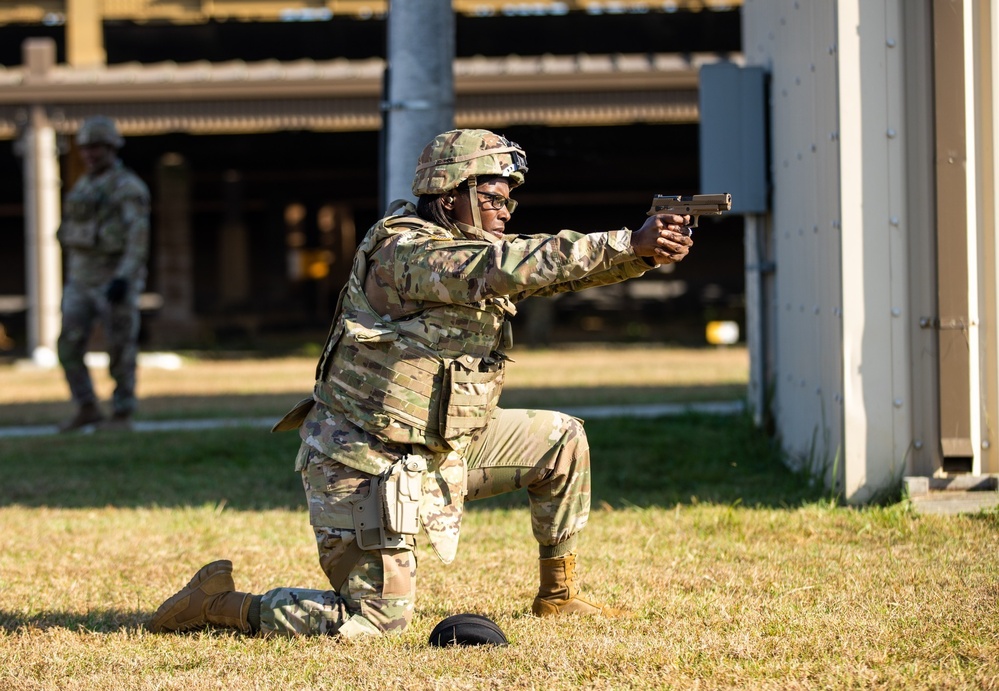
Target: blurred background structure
pixel 259 127
pixel 858 138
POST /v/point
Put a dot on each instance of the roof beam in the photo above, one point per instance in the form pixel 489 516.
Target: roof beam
pixel 198 11
pixel 344 95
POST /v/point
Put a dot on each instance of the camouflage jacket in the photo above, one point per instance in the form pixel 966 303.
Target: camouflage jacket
pixel 105 227
pixel 414 361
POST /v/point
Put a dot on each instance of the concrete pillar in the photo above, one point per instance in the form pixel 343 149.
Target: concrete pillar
pixel 42 209
pixel 174 323
pixel 419 88
pixel 234 246
pixel 84 33
pixel 43 258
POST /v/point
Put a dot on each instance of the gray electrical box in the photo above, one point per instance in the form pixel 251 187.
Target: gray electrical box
pixel 733 134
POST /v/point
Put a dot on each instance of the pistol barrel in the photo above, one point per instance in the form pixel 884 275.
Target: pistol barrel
pixel 694 205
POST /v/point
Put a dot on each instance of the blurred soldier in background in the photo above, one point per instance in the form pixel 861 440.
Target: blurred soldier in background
pixel 403 423
pixel 104 236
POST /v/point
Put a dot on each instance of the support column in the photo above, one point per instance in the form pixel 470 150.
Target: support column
pixel 234 246
pixel 419 88
pixel 43 258
pixel 175 322
pixel 42 209
pixel 84 34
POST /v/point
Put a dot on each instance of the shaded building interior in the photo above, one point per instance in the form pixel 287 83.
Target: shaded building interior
pixel 272 217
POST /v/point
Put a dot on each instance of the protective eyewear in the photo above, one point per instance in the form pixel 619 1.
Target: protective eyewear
pixel 495 202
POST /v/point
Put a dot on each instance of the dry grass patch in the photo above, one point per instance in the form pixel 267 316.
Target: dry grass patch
pixel 814 597
pixel 743 576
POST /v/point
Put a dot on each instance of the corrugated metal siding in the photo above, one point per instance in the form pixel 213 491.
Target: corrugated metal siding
pixel 796 41
pixel 827 246
pixel 875 276
pixel 841 342
pixel 899 314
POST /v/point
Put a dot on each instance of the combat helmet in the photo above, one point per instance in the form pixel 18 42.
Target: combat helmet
pixel 459 155
pixel 99 129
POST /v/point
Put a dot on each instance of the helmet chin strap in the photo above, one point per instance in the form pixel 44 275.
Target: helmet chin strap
pixel 473 199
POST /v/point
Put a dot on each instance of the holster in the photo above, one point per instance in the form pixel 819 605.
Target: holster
pixel 390 511
pixel 401 490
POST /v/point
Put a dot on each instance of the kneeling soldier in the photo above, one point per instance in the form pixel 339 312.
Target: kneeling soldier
pixel 403 426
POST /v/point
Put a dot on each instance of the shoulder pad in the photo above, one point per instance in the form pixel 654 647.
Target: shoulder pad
pixel 404 221
pixel 415 223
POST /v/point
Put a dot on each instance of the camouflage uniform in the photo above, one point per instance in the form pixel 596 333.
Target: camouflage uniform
pixel 104 235
pixel 414 367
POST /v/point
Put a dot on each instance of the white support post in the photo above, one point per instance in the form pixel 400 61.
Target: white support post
pixel 43 258
pixel 973 139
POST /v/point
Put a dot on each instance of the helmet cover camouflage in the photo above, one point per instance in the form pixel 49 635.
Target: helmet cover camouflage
pixel 99 129
pixel 455 156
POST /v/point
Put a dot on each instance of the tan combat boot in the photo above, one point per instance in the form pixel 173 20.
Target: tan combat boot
pixel 559 595
pixel 86 414
pixel 209 598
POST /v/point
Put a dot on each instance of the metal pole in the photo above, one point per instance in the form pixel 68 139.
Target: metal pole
pixel 43 259
pixel 419 90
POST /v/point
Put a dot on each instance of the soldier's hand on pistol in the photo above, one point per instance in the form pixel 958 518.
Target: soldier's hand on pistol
pixel 665 238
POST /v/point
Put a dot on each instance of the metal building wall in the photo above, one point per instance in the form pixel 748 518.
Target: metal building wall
pixel 874 214
pixel 841 231
pixel 796 43
pixel 883 120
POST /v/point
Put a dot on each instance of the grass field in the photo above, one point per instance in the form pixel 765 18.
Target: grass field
pixel 742 574
pixel 221 387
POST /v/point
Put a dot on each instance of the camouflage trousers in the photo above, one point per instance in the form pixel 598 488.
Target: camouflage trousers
pixel 543 451
pixel 82 308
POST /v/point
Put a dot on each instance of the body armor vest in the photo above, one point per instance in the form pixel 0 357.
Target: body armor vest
pixel 428 380
pixel 431 379
pixel 91 219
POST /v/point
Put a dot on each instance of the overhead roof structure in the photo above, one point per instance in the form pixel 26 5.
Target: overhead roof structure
pixel 344 95
pixel 67 73
pixel 193 11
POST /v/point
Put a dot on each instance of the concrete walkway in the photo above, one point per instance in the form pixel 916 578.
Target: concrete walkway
pixel 587 412
pixel 951 503
pixel 954 495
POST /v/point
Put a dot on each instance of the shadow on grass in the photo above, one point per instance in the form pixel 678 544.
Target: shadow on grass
pixel 247 468
pixel 635 462
pixel 711 459
pixel 94 621
pixel 276 405
pixel 162 408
